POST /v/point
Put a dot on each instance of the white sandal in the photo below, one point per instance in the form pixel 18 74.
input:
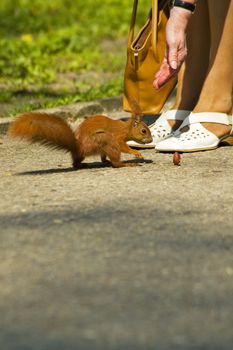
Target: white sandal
pixel 161 129
pixel 197 138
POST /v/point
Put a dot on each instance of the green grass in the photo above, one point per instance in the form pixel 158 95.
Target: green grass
pixel 61 51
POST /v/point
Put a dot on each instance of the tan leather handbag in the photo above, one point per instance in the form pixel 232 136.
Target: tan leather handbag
pixel 144 56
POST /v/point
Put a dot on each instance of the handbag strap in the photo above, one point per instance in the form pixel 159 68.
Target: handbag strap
pixel 154 24
pixel 156 6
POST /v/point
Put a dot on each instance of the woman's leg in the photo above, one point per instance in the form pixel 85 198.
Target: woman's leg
pixel 216 93
pixel 193 72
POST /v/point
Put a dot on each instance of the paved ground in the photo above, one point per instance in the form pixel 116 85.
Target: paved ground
pixel 115 259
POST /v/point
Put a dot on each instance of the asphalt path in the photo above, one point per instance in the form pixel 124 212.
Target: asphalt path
pixel 115 259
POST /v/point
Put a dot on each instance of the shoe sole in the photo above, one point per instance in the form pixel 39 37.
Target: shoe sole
pixel 226 139
pixel 187 150
pixel 142 146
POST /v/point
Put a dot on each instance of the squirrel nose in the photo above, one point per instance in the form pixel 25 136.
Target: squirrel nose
pixel 148 140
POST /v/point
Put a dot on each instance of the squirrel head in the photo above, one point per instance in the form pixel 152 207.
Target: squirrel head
pixel 139 131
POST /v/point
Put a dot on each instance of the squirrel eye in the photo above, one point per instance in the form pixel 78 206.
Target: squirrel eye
pixel 143 131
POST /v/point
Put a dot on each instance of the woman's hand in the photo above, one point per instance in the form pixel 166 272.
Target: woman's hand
pixel 176 46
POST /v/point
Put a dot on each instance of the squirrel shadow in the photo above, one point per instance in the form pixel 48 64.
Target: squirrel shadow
pixel 85 166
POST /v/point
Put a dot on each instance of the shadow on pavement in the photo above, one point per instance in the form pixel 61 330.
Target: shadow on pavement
pixel 85 166
pixel 110 278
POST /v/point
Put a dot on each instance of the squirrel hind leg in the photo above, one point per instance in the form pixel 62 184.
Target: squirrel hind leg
pixel 104 160
pixel 112 151
pixel 114 154
pixel 103 157
pixel 77 161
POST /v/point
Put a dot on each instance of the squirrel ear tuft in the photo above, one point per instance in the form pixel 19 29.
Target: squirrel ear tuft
pixel 134 104
pixel 136 118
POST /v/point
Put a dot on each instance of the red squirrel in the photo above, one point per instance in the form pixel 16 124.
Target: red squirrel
pixel 96 135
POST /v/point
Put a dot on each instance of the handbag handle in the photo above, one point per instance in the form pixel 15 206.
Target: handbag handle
pixel 156 6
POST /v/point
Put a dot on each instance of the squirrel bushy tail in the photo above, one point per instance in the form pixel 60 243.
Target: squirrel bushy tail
pixel 45 129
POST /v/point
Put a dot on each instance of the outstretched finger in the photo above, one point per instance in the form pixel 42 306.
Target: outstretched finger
pixel 164 75
pixel 162 68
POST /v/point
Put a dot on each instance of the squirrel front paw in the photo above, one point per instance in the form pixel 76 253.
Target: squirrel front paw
pixel 138 155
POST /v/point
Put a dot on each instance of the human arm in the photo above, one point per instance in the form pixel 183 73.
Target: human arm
pixel 176 29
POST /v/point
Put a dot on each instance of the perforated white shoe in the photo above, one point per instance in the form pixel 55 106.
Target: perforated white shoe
pixel 161 129
pixel 197 138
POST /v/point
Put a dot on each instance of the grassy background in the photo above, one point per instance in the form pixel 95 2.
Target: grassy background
pixel 62 51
